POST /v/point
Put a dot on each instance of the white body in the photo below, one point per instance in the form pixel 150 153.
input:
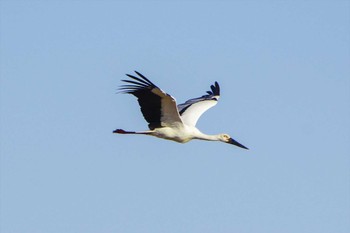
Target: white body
pixel 182 134
pixel 168 120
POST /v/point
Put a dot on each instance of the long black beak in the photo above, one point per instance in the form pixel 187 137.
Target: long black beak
pixel 234 142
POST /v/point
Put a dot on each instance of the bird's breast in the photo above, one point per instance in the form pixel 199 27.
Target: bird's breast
pixel 178 135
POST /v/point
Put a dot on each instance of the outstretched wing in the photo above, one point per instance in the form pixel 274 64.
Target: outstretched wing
pixel 192 109
pixel 158 108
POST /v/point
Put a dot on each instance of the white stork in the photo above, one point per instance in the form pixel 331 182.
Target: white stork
pixel 168 121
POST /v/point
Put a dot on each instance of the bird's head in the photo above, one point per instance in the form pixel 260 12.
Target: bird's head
pixel 227 138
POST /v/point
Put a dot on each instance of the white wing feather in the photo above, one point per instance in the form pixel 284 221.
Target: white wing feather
pixel 170 114
pixel 192 109
pixel 191 115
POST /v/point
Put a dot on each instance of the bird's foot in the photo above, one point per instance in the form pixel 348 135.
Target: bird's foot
pixel 119 131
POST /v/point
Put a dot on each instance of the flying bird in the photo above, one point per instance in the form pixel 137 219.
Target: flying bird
pixel 168 120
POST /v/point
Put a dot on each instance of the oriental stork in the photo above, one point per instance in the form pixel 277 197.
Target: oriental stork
pixel 166 119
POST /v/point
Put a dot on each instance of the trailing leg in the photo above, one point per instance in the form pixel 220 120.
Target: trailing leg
pixel 121 131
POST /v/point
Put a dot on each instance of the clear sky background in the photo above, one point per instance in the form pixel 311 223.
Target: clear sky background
pixel 284 71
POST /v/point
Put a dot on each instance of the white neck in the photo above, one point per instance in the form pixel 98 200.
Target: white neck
pixel 202 136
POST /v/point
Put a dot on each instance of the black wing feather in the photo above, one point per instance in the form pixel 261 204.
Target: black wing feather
pixel 215 90
pixel 149 102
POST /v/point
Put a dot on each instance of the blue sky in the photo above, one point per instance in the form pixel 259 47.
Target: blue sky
pixel 283 67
